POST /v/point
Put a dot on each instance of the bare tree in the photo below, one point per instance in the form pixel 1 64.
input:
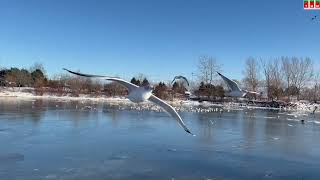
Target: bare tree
pixel 75 84
pixel 140 77
pixel 251 73
pixel 276 74
pixel 207 67
pixel 96 88
pixel 276 79
pixel 316 88
pixel 273 77
pixel 287 71
pixel 267 68
pixel 302 72
pixel 115 89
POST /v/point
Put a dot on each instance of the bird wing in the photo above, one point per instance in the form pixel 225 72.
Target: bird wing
pixel 230 83
pixel 124 83
pixel 253 92
pixel 180 77
pixel 170 110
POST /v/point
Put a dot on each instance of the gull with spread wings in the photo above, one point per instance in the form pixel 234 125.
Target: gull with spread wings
pixel 140 94
pixel 235 90
pixel 180 78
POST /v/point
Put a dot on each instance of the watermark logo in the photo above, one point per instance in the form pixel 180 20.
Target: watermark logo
pixel 311 4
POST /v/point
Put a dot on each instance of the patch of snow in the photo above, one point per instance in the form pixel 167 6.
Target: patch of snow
pixel 297 109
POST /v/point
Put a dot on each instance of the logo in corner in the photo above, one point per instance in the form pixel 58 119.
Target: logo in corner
pixel 311 4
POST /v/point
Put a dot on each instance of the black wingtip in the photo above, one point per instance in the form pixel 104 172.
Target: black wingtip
pixel 72 72
pixel 187 130
pixel 219 73
pixel 79 74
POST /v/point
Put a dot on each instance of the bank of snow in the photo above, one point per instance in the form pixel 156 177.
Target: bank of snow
pixel 180 105
pixel 24 93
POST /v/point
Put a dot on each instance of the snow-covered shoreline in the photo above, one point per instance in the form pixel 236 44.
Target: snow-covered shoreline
pixel 180 105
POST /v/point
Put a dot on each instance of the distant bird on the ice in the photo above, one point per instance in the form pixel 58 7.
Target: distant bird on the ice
pixel 180 77
pixel 140 94
pixel 314 18
pixel 235 90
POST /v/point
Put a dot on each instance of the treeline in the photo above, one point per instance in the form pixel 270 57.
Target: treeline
pixel 283 78
pixel 15 77
pixel 66 84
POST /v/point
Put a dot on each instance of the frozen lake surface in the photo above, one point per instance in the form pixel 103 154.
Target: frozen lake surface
pixel 75 140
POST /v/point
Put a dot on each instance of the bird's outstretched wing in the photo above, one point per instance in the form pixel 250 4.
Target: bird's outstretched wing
pixel 253 92
pixel 230 83
pixel 170 110
pixel 124 83
pixel 180 77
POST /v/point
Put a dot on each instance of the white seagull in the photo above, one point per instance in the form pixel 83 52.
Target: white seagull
pixel 235 90
pixel 180 77
pixel 140 94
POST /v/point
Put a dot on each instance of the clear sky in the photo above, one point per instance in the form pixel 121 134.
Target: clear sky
pixel 160 38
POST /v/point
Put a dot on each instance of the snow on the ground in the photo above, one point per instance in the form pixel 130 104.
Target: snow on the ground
pixel 298 108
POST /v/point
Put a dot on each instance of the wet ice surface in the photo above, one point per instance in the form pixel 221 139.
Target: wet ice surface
pixel 76 140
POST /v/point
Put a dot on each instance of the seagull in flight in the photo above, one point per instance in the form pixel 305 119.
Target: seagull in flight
pixel 235 90
pixel 140 94
pixel 314 17
pixel 180 77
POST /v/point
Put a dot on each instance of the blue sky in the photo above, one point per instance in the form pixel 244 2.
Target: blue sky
pixel 160 38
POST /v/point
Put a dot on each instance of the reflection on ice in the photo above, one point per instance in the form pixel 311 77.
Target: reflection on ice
pixel 92 140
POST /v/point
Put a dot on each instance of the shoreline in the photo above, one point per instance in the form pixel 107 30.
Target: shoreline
pixel 180 105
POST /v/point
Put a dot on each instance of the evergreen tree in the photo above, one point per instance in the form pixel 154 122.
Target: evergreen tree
pixel 145 82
